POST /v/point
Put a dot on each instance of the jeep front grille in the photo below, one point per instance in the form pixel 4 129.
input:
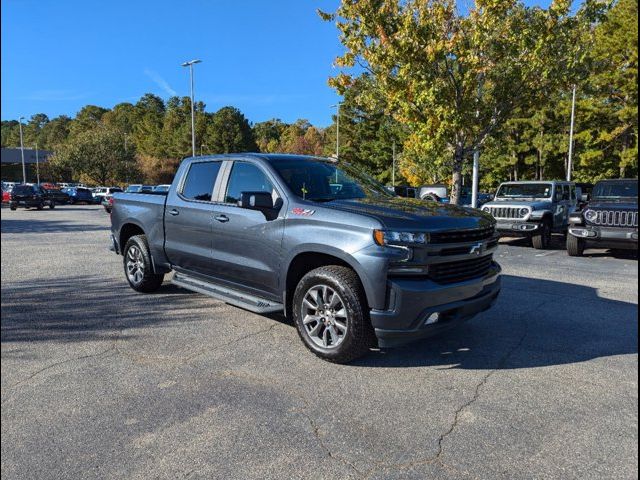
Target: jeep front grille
pixel 508 213
pixel 616 218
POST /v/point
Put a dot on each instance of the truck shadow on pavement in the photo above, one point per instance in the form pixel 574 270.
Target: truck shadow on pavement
pixel 38 225
pixel 535 323
pixel 83 309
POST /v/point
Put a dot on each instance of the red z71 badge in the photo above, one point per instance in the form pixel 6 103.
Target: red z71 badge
pixel 303 211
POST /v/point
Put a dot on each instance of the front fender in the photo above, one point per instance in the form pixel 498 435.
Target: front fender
pixel 349 259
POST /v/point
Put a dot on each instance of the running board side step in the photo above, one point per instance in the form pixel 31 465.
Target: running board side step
pixel 228 295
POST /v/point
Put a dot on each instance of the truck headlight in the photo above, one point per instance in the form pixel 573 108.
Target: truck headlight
pixel 590 215
pixel 523 212
pixel 391 237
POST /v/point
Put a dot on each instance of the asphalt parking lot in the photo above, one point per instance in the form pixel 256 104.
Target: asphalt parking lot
pixel 99 381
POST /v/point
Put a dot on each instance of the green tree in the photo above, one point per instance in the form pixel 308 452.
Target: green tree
pixel 97 154
pixel 607 138
pixel 267 135
pixel 229 131
pixel 456 79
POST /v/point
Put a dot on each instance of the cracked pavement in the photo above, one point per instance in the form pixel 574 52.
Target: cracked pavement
pixel 99 381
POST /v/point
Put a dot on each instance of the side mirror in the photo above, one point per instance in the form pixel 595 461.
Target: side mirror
pixel 256 200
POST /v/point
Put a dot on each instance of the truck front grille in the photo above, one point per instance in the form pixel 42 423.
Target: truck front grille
pixel 508 213
pixel 616 218
pixel 462 236
pixel 452 272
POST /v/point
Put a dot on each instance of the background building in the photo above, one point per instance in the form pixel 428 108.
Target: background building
pixel 11 165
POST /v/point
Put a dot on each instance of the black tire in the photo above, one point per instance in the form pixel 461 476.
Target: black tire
pixel 359 336
pixel 575 246
pixel 52 205
pixel 40 206
pixel 542 241
pixel 431 197
pixel 137 251
pixel 13 207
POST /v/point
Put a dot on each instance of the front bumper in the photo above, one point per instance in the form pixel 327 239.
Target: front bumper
pixel 614 236
pixel 516 228
pixel 413 303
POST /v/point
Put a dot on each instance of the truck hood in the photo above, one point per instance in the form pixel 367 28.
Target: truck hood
pixel 517 202
pixel 408 213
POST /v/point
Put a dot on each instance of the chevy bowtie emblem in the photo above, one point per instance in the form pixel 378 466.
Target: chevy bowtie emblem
pixel 477 249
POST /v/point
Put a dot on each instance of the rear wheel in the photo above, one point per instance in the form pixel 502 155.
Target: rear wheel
pixel 575 246
pixel 13 207
pixel 138 267
pixel 543 239
pixel 330 313
pixel 52 205
pixel 40 206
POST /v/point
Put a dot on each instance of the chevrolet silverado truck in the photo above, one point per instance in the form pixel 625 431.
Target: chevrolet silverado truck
pixel 609 220
pixel 533 209
pixel 354 265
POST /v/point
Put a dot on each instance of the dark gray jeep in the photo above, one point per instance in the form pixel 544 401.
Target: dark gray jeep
pixel 609 220
pixel 352 263
pixel 533 209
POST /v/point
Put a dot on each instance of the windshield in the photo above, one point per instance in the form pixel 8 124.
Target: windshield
pixel 616 190
pixel 525 190
pixel 324 181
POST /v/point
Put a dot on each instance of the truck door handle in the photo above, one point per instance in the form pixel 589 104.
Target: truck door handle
pixel 222 218
pixel 174 212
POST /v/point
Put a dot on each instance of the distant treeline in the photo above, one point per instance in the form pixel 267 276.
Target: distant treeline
pixel 144 141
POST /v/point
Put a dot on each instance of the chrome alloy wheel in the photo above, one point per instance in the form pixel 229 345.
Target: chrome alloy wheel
pixel 324 316
pixel 135 265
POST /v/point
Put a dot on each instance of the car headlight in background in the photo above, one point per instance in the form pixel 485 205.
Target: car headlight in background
pixel 590 215
pixel 390 237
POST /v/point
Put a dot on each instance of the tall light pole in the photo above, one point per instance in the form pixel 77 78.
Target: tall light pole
pixel 37 166
pixel 573 119
pixel 24 170
pixel 393 166
pixel 190 64
pixel 337 105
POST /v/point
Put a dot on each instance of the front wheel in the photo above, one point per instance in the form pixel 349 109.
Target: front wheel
pixel 138 267
pixel 543 239
pixel 40 206
pixel 52 205
pixel 330 313
pixel 575 246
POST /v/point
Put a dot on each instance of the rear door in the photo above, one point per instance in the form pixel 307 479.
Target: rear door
pixel 188 218
pixel 247 244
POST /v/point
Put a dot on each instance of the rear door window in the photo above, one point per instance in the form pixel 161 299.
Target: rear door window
pixel 200 179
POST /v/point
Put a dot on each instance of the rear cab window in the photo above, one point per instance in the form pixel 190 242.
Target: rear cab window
pixel 199 182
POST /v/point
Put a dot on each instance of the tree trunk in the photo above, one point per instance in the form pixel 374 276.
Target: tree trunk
pixel 457 174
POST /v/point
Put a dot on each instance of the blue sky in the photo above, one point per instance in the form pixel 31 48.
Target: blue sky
pixel 269 58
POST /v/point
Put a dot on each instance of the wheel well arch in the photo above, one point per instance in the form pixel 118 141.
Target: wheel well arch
pixel 303 263
pixel 127 231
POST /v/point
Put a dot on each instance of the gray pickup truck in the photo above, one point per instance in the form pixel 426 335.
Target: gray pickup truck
pixel 354 265
pixel 533 209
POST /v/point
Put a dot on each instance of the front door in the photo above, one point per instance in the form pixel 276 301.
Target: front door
pixel 247 244
pixel 188 219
